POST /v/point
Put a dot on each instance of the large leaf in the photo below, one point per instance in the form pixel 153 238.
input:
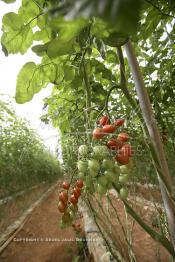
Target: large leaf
pixel 68 31
pixel 9 1
pixel 29 10
pixel 124 14
pixel 11 21
pixel 30 80
pixel 59 47
pixel 17 38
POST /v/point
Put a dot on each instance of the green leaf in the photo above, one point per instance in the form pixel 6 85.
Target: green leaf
pixel 17 41
pixel 9 1
pixel 116 39
pixel 68 31
pixel 59 47
pixel 29 82
pixel 11 21
pixel 111 56
pixel 69 73
pixel 42 35
pixel 29 10
pixel 40 49
pixel 123 14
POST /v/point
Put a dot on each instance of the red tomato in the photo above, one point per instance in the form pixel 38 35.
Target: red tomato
pixel 119 122
pixel 98 133
pixel 123 137
pixel 114 144
pixel 109 128
pixel 62 207
pixel 73 200
pixel 77 192
pixel 63 197
pixel 104 120
pixel 65 185
pixel 122 159
pixel 127 150
pixel 79 183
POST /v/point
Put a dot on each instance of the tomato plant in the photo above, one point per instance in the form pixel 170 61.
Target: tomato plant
pixel 83 60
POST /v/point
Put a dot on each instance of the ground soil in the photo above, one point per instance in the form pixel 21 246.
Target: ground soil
pixel 143 246
pixel 12 210
pixel 43 223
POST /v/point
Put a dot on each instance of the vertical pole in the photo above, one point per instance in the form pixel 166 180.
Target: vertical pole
pixel 150 122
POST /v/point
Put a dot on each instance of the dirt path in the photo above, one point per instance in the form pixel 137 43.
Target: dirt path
pixel 41 225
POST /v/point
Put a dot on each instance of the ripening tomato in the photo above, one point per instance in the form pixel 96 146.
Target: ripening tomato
pixel 65 185
pixel 127 150
pixel 123 137
pixel 77 192
pixel 73 200
pixel 114 144
pixel 122 159
pixel 119 122
pixel 63 197
pixel 104 120
pixel 109 128
pixel 98 133
pixel 62 207
pixel 79 183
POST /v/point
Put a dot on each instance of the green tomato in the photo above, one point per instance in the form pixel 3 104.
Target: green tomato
pixel 107 164
pixel 100 151
pixel 93 173
pixel 124 169
pixel 103 180
pixel 109 186
pixel 94 165
pixel 123 178
pixel 101 189
pixel 111 176
pixel 83 150
pixel 116 169
pixel 123 193
pixel 82 166
pixel 81 175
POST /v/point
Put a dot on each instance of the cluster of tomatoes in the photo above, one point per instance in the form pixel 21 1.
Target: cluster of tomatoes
pixel 100 172
pixel 116 143
pixel 68 202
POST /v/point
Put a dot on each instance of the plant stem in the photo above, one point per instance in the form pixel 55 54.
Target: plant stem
pixel 155 235
pixel 151 125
